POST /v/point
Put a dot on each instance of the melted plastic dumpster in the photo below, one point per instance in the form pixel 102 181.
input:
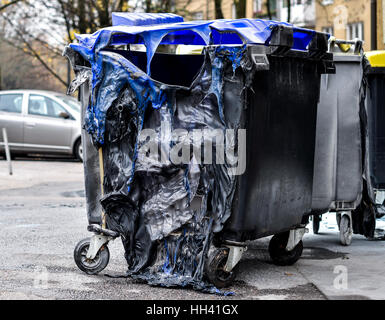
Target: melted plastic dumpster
pixel 196 153
pixel 339 153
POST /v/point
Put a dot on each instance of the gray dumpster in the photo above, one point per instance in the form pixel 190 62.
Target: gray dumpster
pixel 373 203
pixel 337 183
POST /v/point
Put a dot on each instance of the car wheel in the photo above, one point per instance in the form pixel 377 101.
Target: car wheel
pixel 316 223
pixel 78 150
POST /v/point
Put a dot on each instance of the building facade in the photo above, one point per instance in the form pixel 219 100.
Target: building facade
pixel 302 12
pixel 345 19
pixel 205 9
pixel 350 19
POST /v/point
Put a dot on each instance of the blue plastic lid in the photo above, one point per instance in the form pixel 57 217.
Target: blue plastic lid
pixel 161 28
pixel 153 29
pixel 143 19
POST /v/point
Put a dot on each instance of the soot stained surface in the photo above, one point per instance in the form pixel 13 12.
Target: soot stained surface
pixel 166 213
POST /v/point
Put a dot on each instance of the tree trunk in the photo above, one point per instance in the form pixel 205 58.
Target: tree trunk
pixel 241 8
pixel 218 9
pixel 82 25
pixel 105 14
pixel 148 6
pixel 288 10
pixel 269 10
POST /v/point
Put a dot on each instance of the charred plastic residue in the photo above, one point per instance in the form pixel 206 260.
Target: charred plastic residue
pixel 165 212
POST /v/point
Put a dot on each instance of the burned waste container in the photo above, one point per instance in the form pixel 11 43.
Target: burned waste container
pixel 188 156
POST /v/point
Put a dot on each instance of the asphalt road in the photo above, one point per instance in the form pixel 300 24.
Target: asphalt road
pixel 42 217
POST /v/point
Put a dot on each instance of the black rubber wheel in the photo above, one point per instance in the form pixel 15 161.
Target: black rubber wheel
pixel 316 223
pixel 278 252
pixel 345 232
pixel 78 150
pixel 215 269
pixel 91 266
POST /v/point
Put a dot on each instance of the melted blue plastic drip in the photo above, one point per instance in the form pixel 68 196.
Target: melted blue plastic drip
pixel 196 32
pixel 108 65
pixel 166 266
pixel 122 72
pixel 235 55
pixel 112 67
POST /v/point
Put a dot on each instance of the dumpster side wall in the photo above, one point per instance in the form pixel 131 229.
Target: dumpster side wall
pixel 349 157
pixel 376 118
pixel 91 165
pixel 276 190
pixel 338 155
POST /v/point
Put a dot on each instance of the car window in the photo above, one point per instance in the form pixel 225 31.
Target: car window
pixel 71 102
pixel 11 102
pixel 44 106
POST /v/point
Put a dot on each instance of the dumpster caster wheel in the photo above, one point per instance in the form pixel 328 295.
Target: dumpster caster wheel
pixel 278 252
pixel 345 231
pixel 316 223
pixel 215 269
pixel 91 266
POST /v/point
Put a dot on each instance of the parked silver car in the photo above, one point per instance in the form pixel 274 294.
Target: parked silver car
pixel 43 122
